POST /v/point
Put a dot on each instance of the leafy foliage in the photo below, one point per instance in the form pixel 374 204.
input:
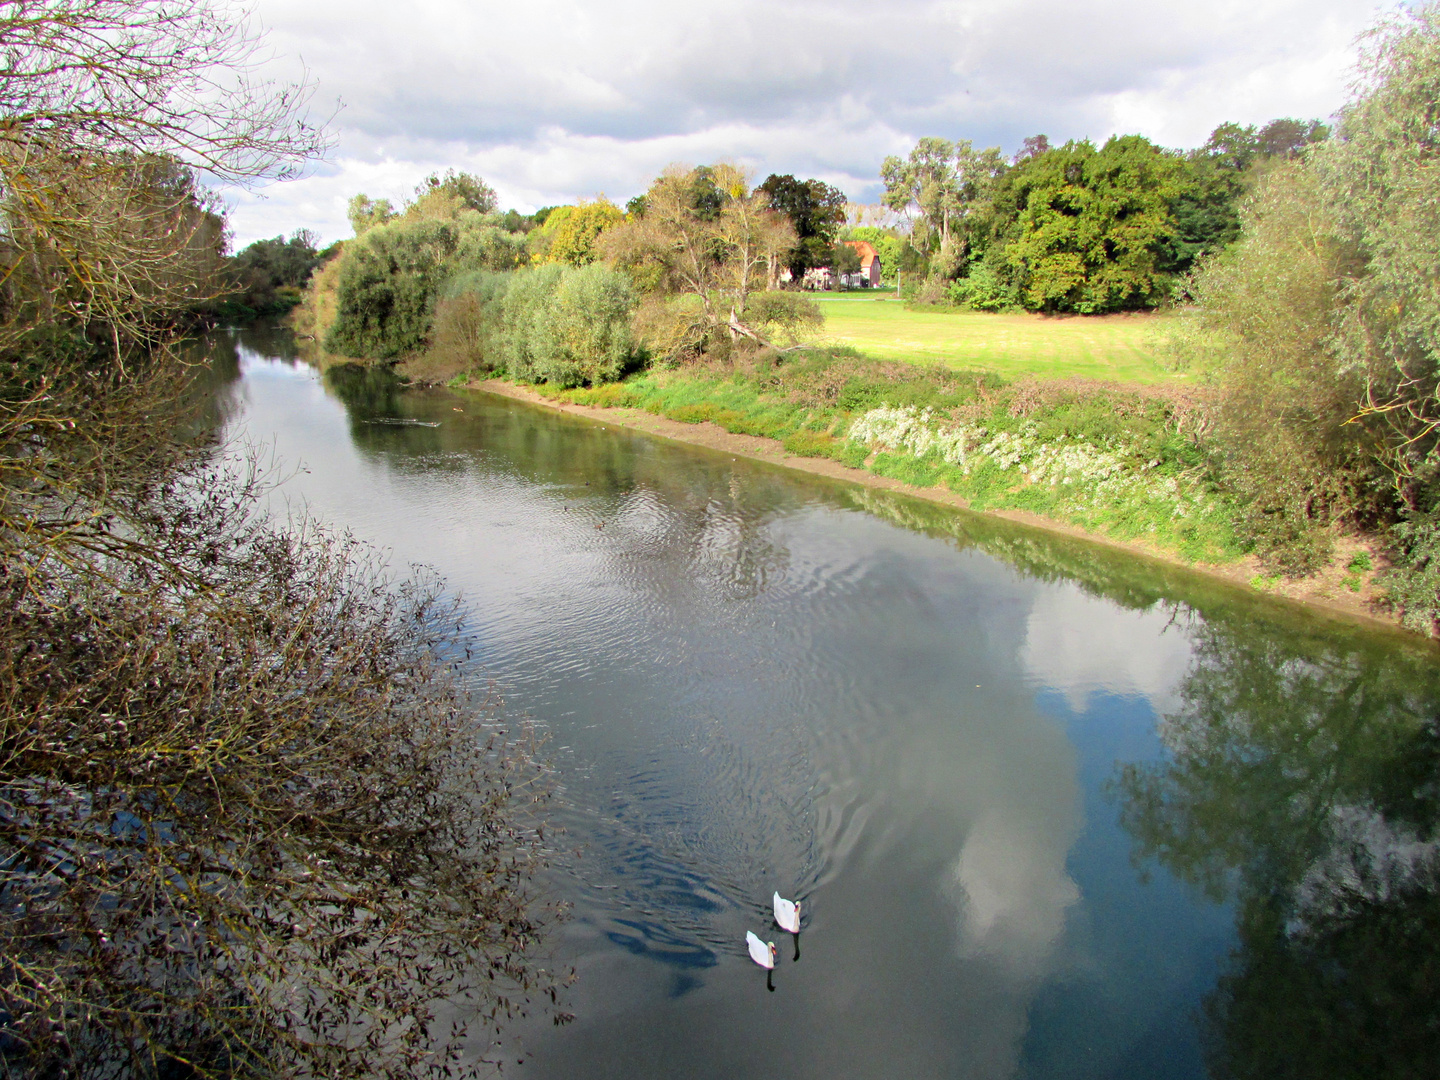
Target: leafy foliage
pixel 1087 226
pixel 705 237
pixel 816 211
pixel 574 238
pixel 568 326
pixel 1294 462
pixel 1326 324
pixel 391 274
pixel 468 334
pixel 388 280
pixel 268 275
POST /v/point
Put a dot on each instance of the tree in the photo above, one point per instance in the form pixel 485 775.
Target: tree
pixel 1383 189
pixel 574 238
pixel 568 325
pixel 249 825
pixel 1032 147
pixel 1221 173
pixel 98 94
pixel 446 196
pixel 267 276
pixel 1323 316
pixel 390 274
pixel 365 213
pixel 844 259
pixel 947 182
pixel 816 211
pixel 1081 229
pixel 704 237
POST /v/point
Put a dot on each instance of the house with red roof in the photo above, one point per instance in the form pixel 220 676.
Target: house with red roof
pixel 824 278
pixel 869 276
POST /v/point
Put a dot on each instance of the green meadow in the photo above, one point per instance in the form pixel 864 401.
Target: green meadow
pixel 1122 348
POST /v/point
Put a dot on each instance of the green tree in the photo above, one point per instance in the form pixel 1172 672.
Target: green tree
pixel 1221 173
pixel 1267 304
pixel 268 275
pixel 1323 317
pixel 388 281
pixel 451 192
pixel 468 332
pixel 568 326
pixel 365 213
pixel 950 184
pixel 390 275
pixel 1082 229
pixel 815 210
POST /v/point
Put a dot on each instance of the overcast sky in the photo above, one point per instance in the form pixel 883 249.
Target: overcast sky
pixel 556 100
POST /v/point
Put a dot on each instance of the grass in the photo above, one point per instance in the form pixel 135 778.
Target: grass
pixel 1121 348
pixel 1121 461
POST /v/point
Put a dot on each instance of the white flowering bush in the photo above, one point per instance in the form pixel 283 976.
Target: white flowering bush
pixel 1089 484
pixel 914 432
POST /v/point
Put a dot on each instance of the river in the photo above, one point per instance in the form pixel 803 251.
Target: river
pixel 1052 811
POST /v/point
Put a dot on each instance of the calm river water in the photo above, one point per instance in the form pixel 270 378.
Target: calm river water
pixel 1052 812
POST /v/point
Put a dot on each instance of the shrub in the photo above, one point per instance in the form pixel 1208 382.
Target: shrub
pixel 1412 585
pixel 1292 460
pixel 568 326
pixel 251 823
pixel 387 284
pixel 786 315
pixel 983 290
pixel 468 328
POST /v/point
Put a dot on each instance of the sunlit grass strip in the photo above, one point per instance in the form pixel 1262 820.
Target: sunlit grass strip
pixel 999 464
pixel 1102 490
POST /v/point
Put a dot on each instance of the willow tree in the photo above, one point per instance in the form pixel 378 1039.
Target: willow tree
pixel 252 822
pixel 1325 324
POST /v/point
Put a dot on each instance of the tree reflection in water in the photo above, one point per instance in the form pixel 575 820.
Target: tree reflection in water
pixel 1308 785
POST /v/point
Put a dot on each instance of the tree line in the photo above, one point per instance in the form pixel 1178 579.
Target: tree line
pixel 1299 260
pixel 1076 228
pixel 1067 229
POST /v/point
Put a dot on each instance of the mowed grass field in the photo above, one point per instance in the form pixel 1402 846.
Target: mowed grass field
pixel 1122 348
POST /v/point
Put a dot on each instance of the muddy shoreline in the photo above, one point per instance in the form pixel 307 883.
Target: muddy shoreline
pixel 1323 591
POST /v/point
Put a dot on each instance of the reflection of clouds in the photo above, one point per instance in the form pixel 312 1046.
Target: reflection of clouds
pixel 1014 892
pixel 1371 860
pixel 1078 643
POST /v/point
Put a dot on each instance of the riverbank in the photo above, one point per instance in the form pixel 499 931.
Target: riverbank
pixel 1335 590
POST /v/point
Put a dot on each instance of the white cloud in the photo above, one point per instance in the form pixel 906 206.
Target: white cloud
pixel 1077 643
pixel 552 100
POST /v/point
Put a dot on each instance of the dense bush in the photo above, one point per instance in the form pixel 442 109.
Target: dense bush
pixel 388 280
pixel 391 275
pixel 1083 228
pixel 1293 461
pixel 468 331
pixel 568 326
pixel 1322 323
pixel 266 277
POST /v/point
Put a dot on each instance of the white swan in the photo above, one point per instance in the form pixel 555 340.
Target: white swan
pixel 762 952
pixel 787 914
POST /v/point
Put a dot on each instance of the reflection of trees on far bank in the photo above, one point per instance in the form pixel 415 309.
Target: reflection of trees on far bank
pixel 1307 784
pixel 650 500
